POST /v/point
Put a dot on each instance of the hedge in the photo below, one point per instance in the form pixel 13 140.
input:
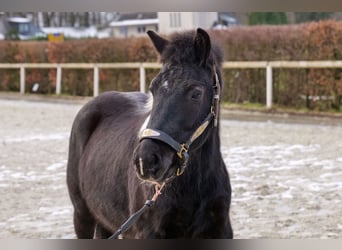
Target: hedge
pixel 319 89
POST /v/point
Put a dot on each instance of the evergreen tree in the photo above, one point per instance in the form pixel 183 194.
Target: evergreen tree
pixel 256 18
pixel 302 17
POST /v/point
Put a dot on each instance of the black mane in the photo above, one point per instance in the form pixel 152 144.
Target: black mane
pixel 180 50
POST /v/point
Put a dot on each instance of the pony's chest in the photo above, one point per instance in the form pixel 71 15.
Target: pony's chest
pixel 176 221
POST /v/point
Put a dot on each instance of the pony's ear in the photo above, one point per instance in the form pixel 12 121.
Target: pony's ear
pixel 158 42
pixel 202 46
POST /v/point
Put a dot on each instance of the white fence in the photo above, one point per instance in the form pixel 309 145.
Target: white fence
pixel 267 65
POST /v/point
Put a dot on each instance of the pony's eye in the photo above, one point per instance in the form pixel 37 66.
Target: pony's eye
pixel 196 94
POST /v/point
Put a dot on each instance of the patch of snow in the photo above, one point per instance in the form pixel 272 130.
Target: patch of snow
pixel 56 166
pixel 40 137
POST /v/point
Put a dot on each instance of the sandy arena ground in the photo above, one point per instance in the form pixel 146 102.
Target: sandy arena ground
pixel 286 176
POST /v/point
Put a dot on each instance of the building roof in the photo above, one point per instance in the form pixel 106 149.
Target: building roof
pixel 123 16
pixel 134 22
pixel 18 19
pixel 135 19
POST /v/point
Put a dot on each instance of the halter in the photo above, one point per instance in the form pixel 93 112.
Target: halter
pixel 183 148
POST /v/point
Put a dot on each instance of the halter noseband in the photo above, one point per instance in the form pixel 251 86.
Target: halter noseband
pixel 183 148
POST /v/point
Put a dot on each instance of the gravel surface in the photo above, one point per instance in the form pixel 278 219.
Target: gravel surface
pixel 286 174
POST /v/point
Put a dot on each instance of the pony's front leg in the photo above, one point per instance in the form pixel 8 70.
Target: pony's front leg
pixel 145 230
pixel 101 232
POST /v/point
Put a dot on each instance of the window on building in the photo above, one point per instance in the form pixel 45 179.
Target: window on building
pixel 179 23
pixel 24 28
pixel 141 29
pixel 175 19
pixel 123 31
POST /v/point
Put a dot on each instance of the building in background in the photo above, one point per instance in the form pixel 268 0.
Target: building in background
pixel 134 24
pixel 20 28
pixel 176 21
pixel 74 25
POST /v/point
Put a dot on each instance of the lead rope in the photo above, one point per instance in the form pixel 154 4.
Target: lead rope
pixel 134 217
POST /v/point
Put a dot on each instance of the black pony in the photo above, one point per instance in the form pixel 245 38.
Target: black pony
pixel 123 144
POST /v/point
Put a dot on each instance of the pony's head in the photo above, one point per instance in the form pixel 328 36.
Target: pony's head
pixel 185 105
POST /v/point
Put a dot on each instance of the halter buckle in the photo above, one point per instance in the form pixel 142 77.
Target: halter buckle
pixel 182 150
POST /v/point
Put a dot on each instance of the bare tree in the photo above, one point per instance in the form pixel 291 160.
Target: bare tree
pixel 66 19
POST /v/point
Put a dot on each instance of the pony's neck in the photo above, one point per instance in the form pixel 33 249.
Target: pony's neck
pixel 209 153
pixel 205 160
pixel 204 166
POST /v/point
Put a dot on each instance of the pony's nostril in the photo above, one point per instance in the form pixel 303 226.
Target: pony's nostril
pixel 154 160
pixel 147 165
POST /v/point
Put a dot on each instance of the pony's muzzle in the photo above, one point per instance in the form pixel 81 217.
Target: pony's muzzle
pixel 152 161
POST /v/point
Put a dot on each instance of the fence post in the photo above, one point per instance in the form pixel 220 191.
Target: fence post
pixel 59 80
pixel 96 80
pixel 142 78
pixel 269 84
pixel 22 79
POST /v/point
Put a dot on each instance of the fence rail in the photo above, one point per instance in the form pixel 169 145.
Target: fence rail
pixel 268 65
